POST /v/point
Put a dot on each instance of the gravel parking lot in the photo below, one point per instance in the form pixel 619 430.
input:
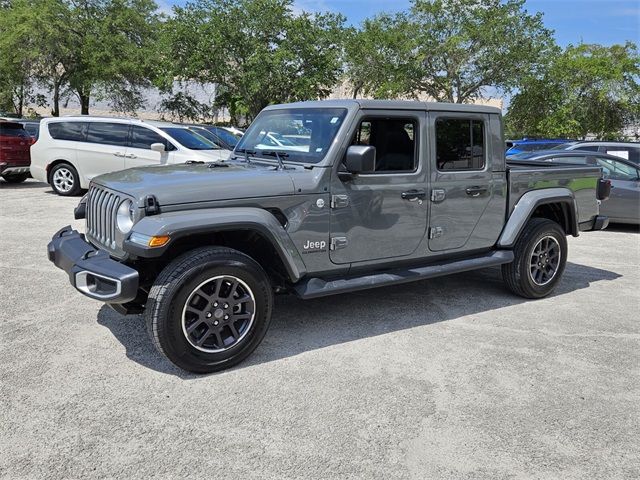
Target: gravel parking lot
pixel 449 378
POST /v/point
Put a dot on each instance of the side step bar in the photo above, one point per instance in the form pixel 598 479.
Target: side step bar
pixel 317 287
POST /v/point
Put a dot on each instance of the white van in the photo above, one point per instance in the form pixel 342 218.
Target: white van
pixel 70 151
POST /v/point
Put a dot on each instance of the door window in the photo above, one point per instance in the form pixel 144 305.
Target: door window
pixel 142 137
pixel 108 133
pixel 75 131
pixel 460 144
pixel 627 153
pixel 395 142
pixel 617 170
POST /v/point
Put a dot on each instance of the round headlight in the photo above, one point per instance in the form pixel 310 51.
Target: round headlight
pixel 124 217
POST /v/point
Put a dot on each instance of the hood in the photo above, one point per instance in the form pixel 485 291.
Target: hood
pixel 189 183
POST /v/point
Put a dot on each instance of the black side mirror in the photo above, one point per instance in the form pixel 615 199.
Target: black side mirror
pixel 361 159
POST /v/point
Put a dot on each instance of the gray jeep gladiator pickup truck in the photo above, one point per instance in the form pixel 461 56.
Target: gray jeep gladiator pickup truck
pixel 321 198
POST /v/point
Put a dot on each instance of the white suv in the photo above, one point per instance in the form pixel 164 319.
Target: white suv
pixel 70 151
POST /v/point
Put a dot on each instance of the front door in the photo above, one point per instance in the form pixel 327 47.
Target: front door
pixel 461 177
pixel 383 214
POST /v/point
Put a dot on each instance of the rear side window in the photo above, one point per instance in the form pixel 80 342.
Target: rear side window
pixel 12 130
pixel 628 153
pixel 107 133
pixel 142 137
pixel 75 131
pixel 589 148
pixel 459 144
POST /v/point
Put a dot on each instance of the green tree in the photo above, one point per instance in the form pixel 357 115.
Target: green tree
pixel 450 50
pixel 258 52
pixel 587 90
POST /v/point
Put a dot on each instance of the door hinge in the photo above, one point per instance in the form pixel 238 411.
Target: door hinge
pixel 339 201
pixel 437 195
pixel 338 243
pixel 435 232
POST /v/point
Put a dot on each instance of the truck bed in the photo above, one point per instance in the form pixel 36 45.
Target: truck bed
pixel 582 180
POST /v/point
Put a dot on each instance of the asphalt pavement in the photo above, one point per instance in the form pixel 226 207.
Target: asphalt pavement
pixel 452 378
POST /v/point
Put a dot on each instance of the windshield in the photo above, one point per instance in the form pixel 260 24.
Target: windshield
pixel 189 139
pixel 226 136
pixel 303 134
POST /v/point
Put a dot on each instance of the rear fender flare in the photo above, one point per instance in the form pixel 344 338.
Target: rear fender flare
pixel 528 203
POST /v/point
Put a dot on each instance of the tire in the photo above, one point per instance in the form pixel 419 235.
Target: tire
pixel 191 299
pixel 64 180
pixel 527 277
pixel 19 178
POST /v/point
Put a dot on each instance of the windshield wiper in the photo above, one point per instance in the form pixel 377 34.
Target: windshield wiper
pixel 278 155
pixel 246 152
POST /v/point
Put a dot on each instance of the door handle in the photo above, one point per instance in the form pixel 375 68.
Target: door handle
pixel 131 155
pixel 475 191
pixel 413 195
pixel 119 154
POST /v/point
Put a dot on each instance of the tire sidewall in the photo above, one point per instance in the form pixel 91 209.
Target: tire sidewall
pixel 546 229
pixel 169 315
pixel 76 180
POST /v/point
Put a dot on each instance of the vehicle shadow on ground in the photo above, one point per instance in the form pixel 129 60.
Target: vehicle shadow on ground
pixel 299 326
pixel 21 186
pixel 623 228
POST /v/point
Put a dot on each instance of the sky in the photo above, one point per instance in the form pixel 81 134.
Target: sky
pixel 591 21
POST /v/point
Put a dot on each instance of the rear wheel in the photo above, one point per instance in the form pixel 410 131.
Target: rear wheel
pixel 65 180
pixel 209 309
pixel 540 257
pixel 18 178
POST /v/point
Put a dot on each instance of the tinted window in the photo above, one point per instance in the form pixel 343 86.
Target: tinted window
pixel 190 139
pixel 143 138
pixel 589 148
pixel 459 144
pixel 227 137
pixel 12 130
pixel 75 131
pixel 108 133
pixel 617 170
pixel 394 139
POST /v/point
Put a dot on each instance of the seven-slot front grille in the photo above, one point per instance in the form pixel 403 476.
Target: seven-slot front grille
pixel 102 206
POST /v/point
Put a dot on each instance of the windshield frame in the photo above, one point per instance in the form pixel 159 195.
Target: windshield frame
pixel 292 156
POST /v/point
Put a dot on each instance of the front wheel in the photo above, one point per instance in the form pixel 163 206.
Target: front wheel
pixel 540 257
pixel 209 309
pixel 65 180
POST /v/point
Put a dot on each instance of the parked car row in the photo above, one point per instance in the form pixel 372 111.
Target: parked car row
pixel 623 205
pixel 626 150
pixel 68 152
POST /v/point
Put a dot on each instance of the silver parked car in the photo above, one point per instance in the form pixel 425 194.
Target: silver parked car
pixel 623 205
pixel 625 150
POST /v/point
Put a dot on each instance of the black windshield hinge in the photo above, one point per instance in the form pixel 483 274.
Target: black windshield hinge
pixel 151 205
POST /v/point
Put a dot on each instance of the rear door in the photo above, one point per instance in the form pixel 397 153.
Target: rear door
pixel 104 148
pixel 624 201
pixel 15 142
pixel 461 177
pixel 139 151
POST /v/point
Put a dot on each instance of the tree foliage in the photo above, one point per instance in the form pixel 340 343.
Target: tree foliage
pixel 448 49
pixel 103 48
pixel 257 51
pixel 586 90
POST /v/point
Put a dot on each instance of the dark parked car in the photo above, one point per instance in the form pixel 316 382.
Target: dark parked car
pixel 533 144
pixel 220 136
pixel 623 205
pixel 14 152
pixel 625 150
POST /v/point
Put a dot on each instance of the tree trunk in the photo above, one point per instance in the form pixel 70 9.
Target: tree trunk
pixel 56 99
pixel 84 103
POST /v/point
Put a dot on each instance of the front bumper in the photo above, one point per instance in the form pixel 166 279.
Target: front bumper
pixel 91 271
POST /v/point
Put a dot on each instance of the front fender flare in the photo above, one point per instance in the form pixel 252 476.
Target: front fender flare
pixel 526 206
pixel 183 223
